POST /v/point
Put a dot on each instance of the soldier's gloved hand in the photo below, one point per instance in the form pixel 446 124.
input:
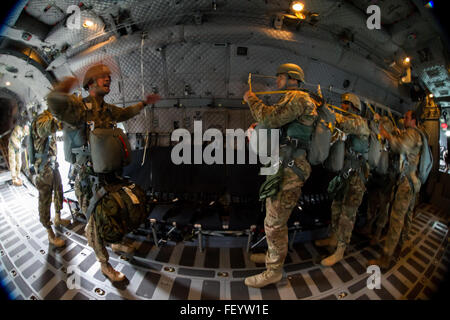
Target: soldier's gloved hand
pixel 152 98
pixel 66 85
pixel 248 94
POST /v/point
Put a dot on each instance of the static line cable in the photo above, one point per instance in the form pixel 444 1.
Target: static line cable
pixel 143 96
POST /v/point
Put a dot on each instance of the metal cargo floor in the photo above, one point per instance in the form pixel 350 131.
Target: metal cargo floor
pixel 30 269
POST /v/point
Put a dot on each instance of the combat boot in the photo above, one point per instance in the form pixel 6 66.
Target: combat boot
pixel 58 221
pixel 264 279
pixel 111 274
pixel 383 262
pixel 120 247
pixel 335 257
pixel 258 257
pixel 54 240
pixel 331 241
pixel 376 238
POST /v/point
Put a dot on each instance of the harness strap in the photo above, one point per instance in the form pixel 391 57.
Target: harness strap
pixel 94 200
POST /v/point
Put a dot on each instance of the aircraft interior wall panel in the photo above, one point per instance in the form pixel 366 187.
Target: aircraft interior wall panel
pixel 233 30
pixel 259 60
pixel 162 12
pixel 241 119
pixel 327 75
pixel 165 120
pixel 369 90
pixel 393 102
pixel 196 70
pixel 131 76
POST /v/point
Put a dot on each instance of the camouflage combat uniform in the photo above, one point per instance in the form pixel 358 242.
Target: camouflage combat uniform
pixel 380 195
pixel 48 178
pixel 345 206
pixel 293 105
pixel 77 112
pixel 14 151
pixel 381 189
pixel 408 144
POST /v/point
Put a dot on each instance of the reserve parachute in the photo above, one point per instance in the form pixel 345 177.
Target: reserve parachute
pixel 426 158
pixel 110 149
pixel 321 136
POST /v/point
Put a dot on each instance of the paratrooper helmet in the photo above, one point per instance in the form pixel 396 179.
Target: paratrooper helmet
pixel 95 72
pixel 353 98
pixel 292 70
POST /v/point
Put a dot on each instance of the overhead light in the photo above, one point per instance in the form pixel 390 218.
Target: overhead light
pixel 88 24
pixel 430 95
pixel 430 4
pixel 8 83
pixel 407 60
pixel 297 6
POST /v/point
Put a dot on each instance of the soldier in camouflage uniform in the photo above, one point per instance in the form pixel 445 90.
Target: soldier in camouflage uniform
pixel 77 112
pixel 381 190
pixel 48 178
pixel 15 152
pixel 293 105
pixel 408 144
pixel 352 179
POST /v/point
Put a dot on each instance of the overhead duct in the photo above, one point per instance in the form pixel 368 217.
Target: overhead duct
pixel 352 19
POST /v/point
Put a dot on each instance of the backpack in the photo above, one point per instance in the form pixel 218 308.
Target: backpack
pixel 120 210
pixel 321 136
pixel 73 138
pixel 426 159
pixel 358 144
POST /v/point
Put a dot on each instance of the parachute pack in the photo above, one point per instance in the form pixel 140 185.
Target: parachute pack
pixel 32 154
pixel 426 158
pixel 74 139
pixel 315 139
